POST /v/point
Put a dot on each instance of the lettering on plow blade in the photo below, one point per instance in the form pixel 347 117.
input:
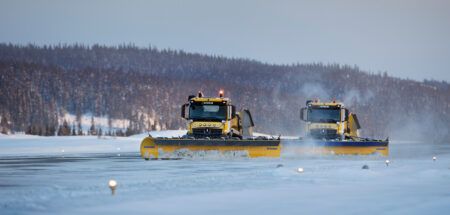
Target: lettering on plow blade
pixel 149 147
pixel 186 153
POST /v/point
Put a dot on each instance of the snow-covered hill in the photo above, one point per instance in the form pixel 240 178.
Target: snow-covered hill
pixel 147 86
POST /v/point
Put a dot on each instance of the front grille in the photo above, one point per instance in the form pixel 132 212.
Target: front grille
pixel 207 132
pixel 324 133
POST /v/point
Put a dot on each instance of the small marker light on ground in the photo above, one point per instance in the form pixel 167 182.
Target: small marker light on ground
pixel 387 162
pixel 300 170
pixel 112 185
pixel 434 158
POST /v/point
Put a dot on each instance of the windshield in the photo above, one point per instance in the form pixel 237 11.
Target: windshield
pixel 324 115
pixel 207 111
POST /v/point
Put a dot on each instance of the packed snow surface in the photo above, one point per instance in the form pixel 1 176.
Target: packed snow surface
pixel 70 175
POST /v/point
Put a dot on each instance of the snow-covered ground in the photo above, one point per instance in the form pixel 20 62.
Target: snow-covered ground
pixel 69 175
pixel 26 145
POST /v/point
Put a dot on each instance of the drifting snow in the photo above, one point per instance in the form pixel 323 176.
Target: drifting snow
pixel 37 177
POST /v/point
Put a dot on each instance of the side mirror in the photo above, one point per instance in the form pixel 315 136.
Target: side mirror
pixel 345 114
pixel 303 114
pixel 233 111
pixel 183 111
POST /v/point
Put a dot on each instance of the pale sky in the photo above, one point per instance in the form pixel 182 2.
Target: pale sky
pixel 406 38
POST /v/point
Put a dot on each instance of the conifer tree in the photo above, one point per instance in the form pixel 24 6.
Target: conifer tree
pixel 4 125
pixel 92 130
pixel 80 130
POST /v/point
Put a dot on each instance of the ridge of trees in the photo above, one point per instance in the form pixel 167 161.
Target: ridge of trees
pixel 39 84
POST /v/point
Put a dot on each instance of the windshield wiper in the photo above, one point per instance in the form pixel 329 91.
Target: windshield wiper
pixel 209 118
pixel 327 120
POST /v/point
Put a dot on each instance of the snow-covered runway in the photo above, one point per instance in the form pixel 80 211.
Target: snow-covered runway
pixel 70 175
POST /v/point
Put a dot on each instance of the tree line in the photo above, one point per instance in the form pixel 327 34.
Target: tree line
pixel 147 86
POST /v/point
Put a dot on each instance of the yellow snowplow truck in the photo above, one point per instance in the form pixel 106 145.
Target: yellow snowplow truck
pixel 332 128
pixel 329 120
pixel 213 127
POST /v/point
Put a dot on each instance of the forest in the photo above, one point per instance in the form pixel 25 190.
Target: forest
pixel 146 86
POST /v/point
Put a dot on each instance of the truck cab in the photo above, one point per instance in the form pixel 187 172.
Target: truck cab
pixel 329 120
pixel 211 117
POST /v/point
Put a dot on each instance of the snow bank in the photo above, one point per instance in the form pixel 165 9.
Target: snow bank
pixel 21 144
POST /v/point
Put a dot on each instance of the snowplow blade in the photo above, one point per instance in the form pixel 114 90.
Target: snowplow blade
pixel 174 148
pixel 335 147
